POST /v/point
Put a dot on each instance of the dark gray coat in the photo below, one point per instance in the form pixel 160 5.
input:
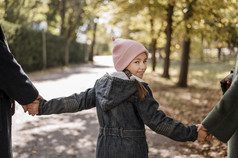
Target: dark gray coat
pixel 222 121
pixel 14 85
pixel 122 116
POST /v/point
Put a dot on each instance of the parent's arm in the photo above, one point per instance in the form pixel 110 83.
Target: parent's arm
pixel 222 120
pixel 14 82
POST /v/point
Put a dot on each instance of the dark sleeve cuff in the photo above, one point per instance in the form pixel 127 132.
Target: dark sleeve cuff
pixel 40 107
pixel 24 100
pixel 211 123
pixel 195 133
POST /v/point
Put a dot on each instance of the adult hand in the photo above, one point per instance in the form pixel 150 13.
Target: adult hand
pixel 33 108
pixel 26 107
pixel 203 134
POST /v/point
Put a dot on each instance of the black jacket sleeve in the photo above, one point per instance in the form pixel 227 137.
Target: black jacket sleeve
pixel 13 80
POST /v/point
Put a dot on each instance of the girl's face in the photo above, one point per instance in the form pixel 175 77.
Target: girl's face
pixel 138 65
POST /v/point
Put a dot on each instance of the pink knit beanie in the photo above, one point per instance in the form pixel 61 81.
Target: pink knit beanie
pixel 124 51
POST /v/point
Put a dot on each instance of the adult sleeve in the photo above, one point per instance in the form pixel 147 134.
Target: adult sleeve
pixel 222 120
pixel 13 80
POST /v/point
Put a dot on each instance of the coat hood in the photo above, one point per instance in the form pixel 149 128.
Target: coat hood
pixel 112 89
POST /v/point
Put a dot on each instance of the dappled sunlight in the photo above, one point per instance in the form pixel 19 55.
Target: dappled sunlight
pixel 222 75
pixel 186 96
pixel 75 134
pixel 163 147
pixel 192 104
pixel 204 79
pixel 64 135
pixel 199 73
pixel 165 152
pixel 156 76
pixel 85 142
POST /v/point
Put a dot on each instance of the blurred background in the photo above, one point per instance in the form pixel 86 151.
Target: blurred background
pixel 192 43
pixel 52 33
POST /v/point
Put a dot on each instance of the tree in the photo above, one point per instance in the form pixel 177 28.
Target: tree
pixel 192 15
pixel 215 23
pixel 93 9
pixel 24 12
pixel 156 12
pixel 188 13
pixel 91 54
pixel 143 21
pixel 70 13
pixel 168 32
pixel 211 21
pixel 152 10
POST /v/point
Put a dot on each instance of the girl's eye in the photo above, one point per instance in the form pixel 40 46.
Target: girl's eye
pixel 136 62
pixel 145 61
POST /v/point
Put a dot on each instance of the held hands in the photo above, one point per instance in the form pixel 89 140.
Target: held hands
pixel 32 108
pixel 203 134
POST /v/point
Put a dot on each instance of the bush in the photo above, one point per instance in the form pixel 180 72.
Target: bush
pixel 26 45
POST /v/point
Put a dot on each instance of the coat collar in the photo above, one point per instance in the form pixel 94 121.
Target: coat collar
pixel 123 76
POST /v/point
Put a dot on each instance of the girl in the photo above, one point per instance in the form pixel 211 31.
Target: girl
pixel 124 105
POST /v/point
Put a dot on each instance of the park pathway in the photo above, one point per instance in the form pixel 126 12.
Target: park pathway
pixel 74 135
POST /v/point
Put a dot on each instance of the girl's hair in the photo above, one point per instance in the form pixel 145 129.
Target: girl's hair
pixel 141 89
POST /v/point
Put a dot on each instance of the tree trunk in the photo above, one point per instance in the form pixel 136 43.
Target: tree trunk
pixel 184 62
pixel 201 49
pixel 153 43
pixel 153 49
pixel 168 32
pixel 62 15
pixel 186 46
pixel 67 43
pixel 44 54
pixel 5 6
pixel 219 53
pixel 93 42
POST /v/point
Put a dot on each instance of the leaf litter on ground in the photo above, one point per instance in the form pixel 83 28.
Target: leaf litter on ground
pixel 192 104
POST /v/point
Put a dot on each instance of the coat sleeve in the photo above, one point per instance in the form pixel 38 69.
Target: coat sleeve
pixel 13 80
pixel 161 124
pixel 70 104
pixel 222 120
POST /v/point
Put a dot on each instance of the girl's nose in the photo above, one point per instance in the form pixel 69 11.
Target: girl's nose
pixel 143 66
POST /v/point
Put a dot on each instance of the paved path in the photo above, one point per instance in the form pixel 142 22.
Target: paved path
pixel 74 135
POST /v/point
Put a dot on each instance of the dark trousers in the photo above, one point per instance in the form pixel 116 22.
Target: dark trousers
pixel 5 127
